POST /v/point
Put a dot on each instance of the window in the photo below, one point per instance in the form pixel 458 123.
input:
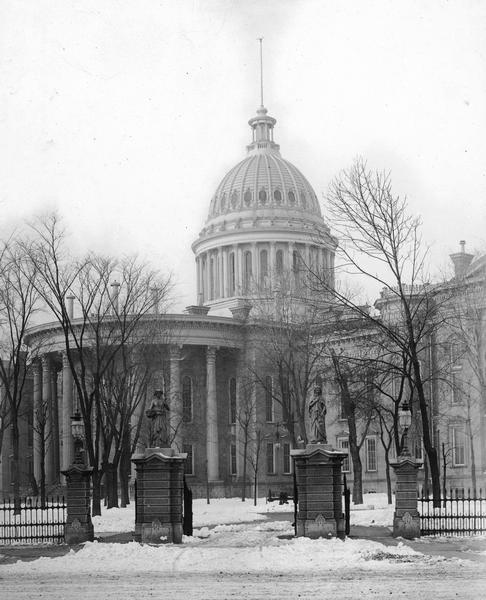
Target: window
pixel 232 400
pixel 234 198
pixel 189 464
pixel 269 414
pixel 263 266
pixel 232 281
pixel 262 196
pixel 287 463
pixel 458 440
pixel 418 450
pixel 247 269
pixel 279 262
pixel 343 444
pixel 270 459
pixel 247 197
pixel 233 468
pixel 371 454
pixel 187 399
pixel 223 202
pixel 277 194
pixel 291 198
pixel 303 200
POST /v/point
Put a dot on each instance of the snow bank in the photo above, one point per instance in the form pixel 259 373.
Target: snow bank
pixel 296 555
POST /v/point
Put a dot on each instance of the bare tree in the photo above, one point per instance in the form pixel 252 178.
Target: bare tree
pixel 18 305
pixel 113 297
pixel 381 242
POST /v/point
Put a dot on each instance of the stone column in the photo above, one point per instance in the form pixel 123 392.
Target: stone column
pixel 272 265
pixel 239 271
pixel 47 409
pixel 37 407
pixel 198 279
pixel 175 400
pixel 55 427
pixel 225 273
pixel 255 264
pixel 67 412
pixel 207 283
pixel 212 442
pixel 406 519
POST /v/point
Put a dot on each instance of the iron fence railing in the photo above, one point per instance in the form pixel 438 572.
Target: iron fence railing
pixel 458 514
pixel 31 522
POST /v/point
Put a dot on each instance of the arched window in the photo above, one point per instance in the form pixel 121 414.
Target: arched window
pixel 247 274
pixel 263 266
pixel 247 197
pixel 187 399
pixel 223 202
pixel 279 262
pixel 291 198
pixel 234 198
pixel 232 277
pixel 277 194
pixel 232 400
pixel 262 196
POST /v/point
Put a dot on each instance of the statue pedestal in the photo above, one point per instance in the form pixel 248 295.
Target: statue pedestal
pixel 319 488
pixel 159 496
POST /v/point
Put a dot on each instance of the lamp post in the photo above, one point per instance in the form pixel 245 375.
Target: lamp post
pixel 405 420
pixel 77 430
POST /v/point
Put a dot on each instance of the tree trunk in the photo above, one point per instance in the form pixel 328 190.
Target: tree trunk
pixel 124 475
pixel 15 465
pixel 111 478
pixel 43 471
pixel 255 487
pixel 444 473
pixel 96 476
pixel 245 452
pixel 388 477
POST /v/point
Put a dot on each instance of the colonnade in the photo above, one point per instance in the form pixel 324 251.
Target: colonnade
pixel 227 271
pixel 52 438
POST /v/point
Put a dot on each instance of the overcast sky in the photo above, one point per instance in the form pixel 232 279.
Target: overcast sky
pixel 126 115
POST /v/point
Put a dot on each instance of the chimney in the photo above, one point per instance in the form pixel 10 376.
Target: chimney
pixel 70 306
pixel 461 261
pixel 115 286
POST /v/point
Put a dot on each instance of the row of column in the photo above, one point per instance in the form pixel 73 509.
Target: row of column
pixel 217 277
pixel 51 421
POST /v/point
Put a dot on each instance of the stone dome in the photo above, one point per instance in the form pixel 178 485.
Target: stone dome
pixel 263 184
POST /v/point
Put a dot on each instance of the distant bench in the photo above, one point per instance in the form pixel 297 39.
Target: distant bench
pixel 283 497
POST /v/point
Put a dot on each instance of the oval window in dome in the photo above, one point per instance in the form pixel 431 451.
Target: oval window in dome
pixel 277 194
pixel 262 196
pixel 234 198
pixel 291 198
pixel 303 199
pixel 247 197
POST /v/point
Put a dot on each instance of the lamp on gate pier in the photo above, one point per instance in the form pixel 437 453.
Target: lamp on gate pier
pixel 405 420
pixel 77 430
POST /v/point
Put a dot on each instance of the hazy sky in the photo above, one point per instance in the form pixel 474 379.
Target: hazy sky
pixel 126 115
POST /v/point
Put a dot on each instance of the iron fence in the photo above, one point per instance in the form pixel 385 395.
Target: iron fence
pixel 458 514
pixel 31 522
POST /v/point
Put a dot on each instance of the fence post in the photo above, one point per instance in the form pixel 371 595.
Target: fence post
pixel 78 527
pixel 406 519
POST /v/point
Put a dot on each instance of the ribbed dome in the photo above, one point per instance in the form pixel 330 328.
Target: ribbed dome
pixel 263 180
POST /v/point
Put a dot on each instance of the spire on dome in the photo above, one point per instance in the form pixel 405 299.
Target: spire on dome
pixel 262 125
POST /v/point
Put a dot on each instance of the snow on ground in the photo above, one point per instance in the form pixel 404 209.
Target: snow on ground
pixel 272 556
pixel 223 511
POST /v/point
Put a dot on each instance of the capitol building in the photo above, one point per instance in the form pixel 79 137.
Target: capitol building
pixel 264 228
